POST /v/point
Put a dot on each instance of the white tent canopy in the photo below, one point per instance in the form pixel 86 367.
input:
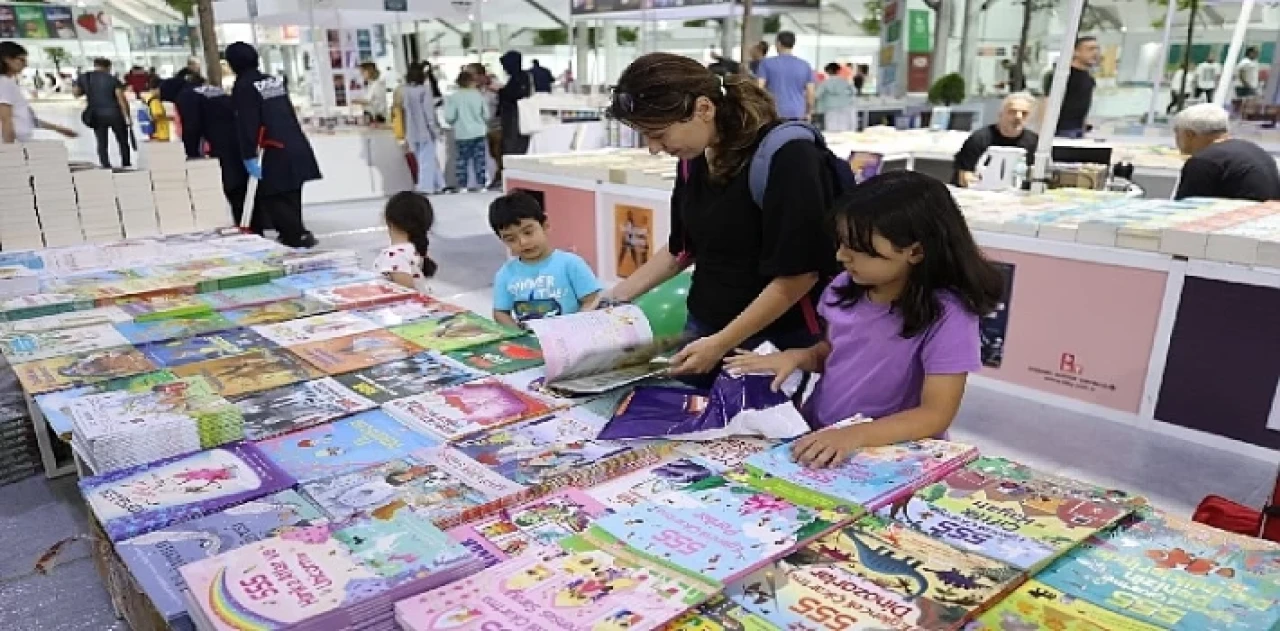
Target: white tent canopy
pixel 361 13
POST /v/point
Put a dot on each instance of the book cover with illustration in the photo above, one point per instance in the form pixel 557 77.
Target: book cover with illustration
pixel 323 577
pixel 724 454
pixel 155 558
pixel 258 370
pixel 1175 574
pixel 253 295
pixel 298 406
pixel 502 357
pixel 354 352
pixel 324 278
pixel 416 308
pixel 175 327
pixel 316 328
pixel 717 529
pixel 869 480
pixel 722 614
pixel 642 485
pixel 575 585
pixel 1038 606
pixel 458 411
pixel 35 345
pixel 69 320
pixel 343 446
pixel 204 347
pixel 56 373
pixel 164 307
pixel 56 406
pixel 533 381
pixel 1006 511
pixel 424 372
pixel 148 497
pixel 281 311
pixel 541 522
pixel 362 294
pixel 454 332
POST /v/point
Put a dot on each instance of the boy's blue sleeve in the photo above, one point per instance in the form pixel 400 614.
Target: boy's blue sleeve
pixel 502 300
pixel 581 278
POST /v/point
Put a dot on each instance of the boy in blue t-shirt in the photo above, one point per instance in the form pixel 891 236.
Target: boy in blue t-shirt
pixel 540 281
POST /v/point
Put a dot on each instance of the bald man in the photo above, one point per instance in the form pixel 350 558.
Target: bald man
pixel 1008 131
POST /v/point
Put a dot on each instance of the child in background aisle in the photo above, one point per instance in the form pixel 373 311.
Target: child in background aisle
pixel 159 117
pixel 901 320
pixel 540 281
pixel 835 101
pixel 409 218
pixel 466 112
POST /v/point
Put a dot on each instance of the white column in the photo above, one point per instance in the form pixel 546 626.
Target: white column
pixel 1160 62
pixel 1044 149
pixel 1233 53
pixel 477 27
pixel 612 67
pixel 582 50
pixel 503 37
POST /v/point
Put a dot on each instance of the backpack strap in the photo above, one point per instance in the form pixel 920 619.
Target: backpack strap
pixel 758 173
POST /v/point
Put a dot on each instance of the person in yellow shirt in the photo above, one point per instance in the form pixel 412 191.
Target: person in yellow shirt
pixel 159 117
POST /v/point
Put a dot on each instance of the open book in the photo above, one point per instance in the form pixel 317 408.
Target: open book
pixel 596 351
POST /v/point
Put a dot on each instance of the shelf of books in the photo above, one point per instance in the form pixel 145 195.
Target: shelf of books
pixel 274 439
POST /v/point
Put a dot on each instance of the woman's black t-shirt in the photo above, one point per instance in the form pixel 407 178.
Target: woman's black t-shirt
pixel 738 247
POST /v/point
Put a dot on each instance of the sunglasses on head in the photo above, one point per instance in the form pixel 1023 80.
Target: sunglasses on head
pixel 625 104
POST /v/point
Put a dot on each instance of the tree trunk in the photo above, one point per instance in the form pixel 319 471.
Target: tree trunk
pixel 745 50
pixel 209 41
pixel 1019 61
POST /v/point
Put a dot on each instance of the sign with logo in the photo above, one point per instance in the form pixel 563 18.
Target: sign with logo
pixel 918 38
pixel 918 67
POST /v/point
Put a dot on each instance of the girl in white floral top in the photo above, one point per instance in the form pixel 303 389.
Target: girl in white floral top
pixel 409 218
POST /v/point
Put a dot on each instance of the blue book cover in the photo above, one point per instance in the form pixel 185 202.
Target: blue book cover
pixel 343 446
pixel 324 278
pixel 173 328
pixel 188 350
pixel 154 558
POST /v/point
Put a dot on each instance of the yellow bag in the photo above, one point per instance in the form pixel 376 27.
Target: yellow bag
pixel 397 123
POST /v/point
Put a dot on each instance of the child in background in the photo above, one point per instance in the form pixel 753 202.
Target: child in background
pixel 540 281
pixel 155 107
pixel 465 110
pixel 834 102
pixel 901 320
pixel 409 218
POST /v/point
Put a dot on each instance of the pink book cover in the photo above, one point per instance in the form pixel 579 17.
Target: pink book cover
pixel 530 525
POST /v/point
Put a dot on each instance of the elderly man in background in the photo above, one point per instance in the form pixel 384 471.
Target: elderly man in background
pixel 1008 131
pixel 1219 165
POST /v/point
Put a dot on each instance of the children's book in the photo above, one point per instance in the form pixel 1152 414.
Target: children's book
pixel 644 484
pixel 39 305
pixel 164 307
pixel 421 373
pixel 454 332
pixel 533 381
pixel 362 294
pixel 253 295
pixel 155 558
pixel 174 327
pixel 1007 511
pixel 298 406
pixel 239 274
pixel 1038 606
pixel 324 278
pixel 316 328
pixel 55 373
pixel 25 347
pixel 869 480
pixel 458 411
pixel 541 522
pixel 416 308
pixel 354 352
pixel 502 357
pixel 56 406
pixel 1174 574
pixel 69 320
pixel 258 370
pixel 273 312
pixel 205 346
pixel 148 497
pixel 724 454
pixel 573 586
pixel 345 445
pixel 721 614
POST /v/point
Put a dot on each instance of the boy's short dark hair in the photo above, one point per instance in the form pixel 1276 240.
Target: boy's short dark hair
pixel 514 207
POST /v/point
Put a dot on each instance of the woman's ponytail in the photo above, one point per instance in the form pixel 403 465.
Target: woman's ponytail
pixel 412 214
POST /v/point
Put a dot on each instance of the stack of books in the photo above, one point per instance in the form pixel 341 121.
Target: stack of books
pixel 17 280
pixel 204 187
pixel 136 203
pixel 19 223
pixel 169 187
pixel 96 199
pixel 55 195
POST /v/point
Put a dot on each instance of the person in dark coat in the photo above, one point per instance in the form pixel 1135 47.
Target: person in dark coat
pixel 542 78
pixel 519 86
pixel 209 118
pixel 266 121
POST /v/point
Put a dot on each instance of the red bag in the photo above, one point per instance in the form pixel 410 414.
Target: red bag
pixel 413 165
pixel 1224 514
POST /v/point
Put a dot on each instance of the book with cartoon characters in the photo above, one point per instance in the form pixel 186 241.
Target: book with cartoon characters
pixel 642 485
pixel 541 522
pixel 273 312
pixel 421 373
pixel 257 370
pixel 206 346
pixel 354 352
pixel 324 278
pixel 458 411
pixel 720 614
pixel 56 373
pixel 596 351
pixel 1035 605
pixel 31 346
pixel 577 584
pixel 298 406
pixel 1008 512
pixel 138 500
pixel 345 445
pixel 416 308
pixel 253 295
pixel 1175 574
pixel 155 558
pixel 316 328
pixel 453 332
pixel 174 327
pixel 362 294
pixel 502 357
pixel 869 480
pixel 55 406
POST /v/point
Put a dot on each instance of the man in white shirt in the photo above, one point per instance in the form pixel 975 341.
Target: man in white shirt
pixel 1247 74
pixel 1207 74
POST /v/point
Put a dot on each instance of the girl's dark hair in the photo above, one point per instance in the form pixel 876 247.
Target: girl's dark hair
pixel 412 214
pixel 10 50
pixel 465 79
pixel 416 74
pixel 907 208
pixel 661 89
pixel 832 68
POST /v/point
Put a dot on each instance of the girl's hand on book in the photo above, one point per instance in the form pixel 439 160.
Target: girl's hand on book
pixel 781 365
pixel 826 448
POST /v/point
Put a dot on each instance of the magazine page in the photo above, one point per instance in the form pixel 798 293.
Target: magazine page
pixel 594 342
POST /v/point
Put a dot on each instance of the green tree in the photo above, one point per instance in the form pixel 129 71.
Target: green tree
pixel 1183 5
pixel 873 13
pixel 57 56
pixel 187 9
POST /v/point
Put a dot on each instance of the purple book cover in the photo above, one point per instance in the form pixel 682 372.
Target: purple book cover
pixel 138 500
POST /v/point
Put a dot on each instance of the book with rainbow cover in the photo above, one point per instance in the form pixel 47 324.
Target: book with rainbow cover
pixel 454 332
pixel 355 352
pixel 541 522
pixel 345 445
pixel 1038 606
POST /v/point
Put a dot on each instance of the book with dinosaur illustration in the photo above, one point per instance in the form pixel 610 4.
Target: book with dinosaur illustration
pixel 578 584
pixel 138 500
pixel 453 332
pixel 640 486
pixel 55 406
pixel 298 406
pixel 251 296
pixel 459 411
pixel 206 346
pixel 155 558
pixel 354 352
pixel 316 328
pixel 325 577
pixel 362 294
pixel 721 614
pixel 356 442
pixel 174 327
pixel 25 347
pixel 406 311
pixel 502 357
pixel 273 312
pixel 424 372
pixel 1175 574
pixel 541 522
pixel 324 278
pixel 596 351
pixel 1007 511
pixel 869 480
pixel 257 370
pixel 165 307
pixel 1035 605
pixel 56 373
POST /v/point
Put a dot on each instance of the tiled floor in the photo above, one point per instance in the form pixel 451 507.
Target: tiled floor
pixel 1173 473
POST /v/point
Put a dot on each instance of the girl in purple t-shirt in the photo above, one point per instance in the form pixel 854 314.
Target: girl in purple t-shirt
pixel 901 321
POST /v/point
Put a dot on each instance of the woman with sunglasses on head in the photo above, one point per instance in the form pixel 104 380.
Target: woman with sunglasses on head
pixel 758 267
